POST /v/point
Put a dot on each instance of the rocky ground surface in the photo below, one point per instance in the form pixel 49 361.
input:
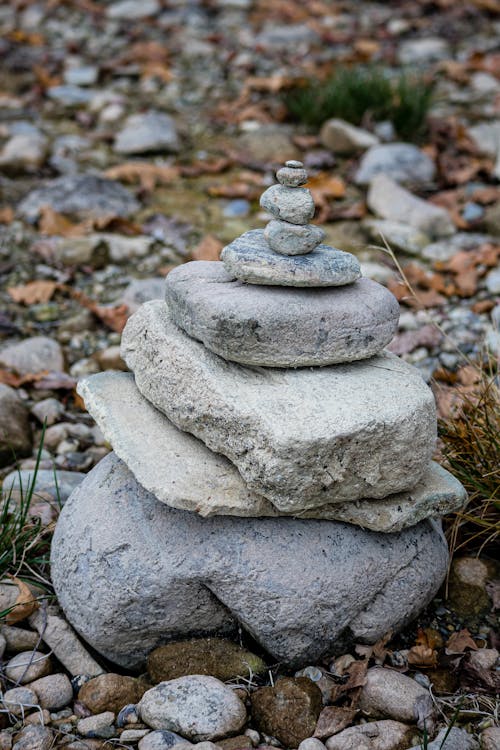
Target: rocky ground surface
pixel 136 136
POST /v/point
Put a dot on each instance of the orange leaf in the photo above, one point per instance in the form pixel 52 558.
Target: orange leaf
pixel 51 222
pixel 324 185
pixel 33 292
pixel 422 656
pixel 25 603
pixel 459 642
pixel 146 174
pixel 208 249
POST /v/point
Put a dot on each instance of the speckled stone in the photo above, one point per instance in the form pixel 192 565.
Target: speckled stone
pixel 280 326
pixel 293 239
pixel 292 204
pixel 249 258
pixel 292 174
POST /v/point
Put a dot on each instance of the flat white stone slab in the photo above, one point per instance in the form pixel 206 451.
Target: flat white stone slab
pixel 183 473
pixel 131 573
pixel 250 259
pixel 302 438
pixel 280 326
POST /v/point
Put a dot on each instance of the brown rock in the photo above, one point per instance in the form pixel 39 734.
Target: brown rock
pixel 33 738
pixel 216 657
pixel 235 743
pixel 111 692
pixel 376 735
pixel 467 594
pixel 288 711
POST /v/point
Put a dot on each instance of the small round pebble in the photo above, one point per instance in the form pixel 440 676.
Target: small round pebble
pixel 294 164
pixel 291 177
pixel 100 725
pixel 295 205
pixel 54 691
pixel 311 743
pixel 162 739
pixel 253 736
pixel 19 701
pixel 293 239
pixel 27 666
pixel 128 715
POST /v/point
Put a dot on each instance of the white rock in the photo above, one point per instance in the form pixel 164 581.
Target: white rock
pixel 428 49
pixel 133 735
pixel 24 152
pixel 151 131
pixel 122 249
pixel 130 10
pixel 53 692
pixel 19 701
pixel 402 162
pixel 27 666
pixel 387 693
pixel 376 735
pixel 398 236
pixel 196 706
pixel 299 437
pixel 62 640
pixel 181 472
pixel 311 744
pixel 176 575
pixel 343 138
pixel 493 281
pixel 392 201
pixel 33 355
pixel 96 726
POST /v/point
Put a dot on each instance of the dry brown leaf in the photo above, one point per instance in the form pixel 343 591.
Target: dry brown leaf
pixel 146 174
pixel 6 215
pixel 113 317
pixel 33 292
pixel 53 223
pixel 459 642
pixel 422 656
pixel 333 719
pixel 207 249
pixel 25 604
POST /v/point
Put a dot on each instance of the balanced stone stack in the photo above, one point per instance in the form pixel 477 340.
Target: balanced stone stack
pixel 272 463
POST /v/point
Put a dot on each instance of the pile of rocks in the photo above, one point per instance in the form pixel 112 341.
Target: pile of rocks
pixel 272 463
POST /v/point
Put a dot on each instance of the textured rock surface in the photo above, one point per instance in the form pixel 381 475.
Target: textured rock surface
pixel 182 472
pixel 387 693
pixel 342 137
pixel 81 195
pixel 217 657
pixel 130 572
pixel 250 259
pixel 293 239
pixel 17 482
pixel 295 205
pixel 110 692
pixel 277 326
pixel 453 739
pixel 198 707
pixel 53 691
pixel 375 735
pixel 15 430
pixel 392 201
pixel 33 355
pixel 301 438
pixel 288 711
pixel 27 666
pixel 403 162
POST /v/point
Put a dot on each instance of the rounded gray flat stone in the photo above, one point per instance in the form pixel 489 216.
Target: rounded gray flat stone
pixel 249 258
pixel 182 472
pixel 293 239
pixel 292 204
pixel 132 573
pixel 301 437
pixel 280 326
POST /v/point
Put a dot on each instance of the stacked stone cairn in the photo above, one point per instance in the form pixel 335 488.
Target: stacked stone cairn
pixel 272 464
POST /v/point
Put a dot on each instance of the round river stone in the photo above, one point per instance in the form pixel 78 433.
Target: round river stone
pixel 250 259
pixel 280 326
pixel 293 239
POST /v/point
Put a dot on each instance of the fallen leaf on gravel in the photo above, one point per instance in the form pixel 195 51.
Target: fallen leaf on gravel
pixel 207 249
pixel 25 603
pixel 113 317
pixel 146 174
pixel 8 377
pixel 6 215
pixel 33 292
pixel 333 719
pixel 406 342
pixel 457 643
pixel 51 222
pixel 422 656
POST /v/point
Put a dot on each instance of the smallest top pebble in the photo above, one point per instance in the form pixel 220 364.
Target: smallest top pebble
pixel 292 174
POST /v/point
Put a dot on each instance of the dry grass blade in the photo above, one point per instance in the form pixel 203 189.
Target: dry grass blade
pixel 471 449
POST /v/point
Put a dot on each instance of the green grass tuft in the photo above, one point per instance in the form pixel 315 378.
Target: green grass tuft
pixel 363 95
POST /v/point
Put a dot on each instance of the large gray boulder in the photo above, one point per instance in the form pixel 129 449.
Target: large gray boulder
pixel 183 473
pixel 280 326
pixel 301 438
pixel 131 573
